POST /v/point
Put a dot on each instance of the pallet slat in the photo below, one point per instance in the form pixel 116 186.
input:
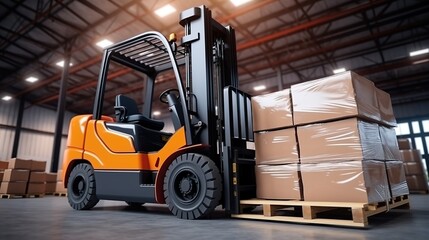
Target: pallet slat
pixel 271 211
pixel 11 196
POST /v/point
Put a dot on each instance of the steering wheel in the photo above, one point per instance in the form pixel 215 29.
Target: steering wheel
pixel 163 95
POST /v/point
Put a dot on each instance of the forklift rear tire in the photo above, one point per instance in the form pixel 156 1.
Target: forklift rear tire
pixel 81 187
pixel 192 186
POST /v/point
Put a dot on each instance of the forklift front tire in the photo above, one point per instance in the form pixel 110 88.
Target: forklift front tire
pixel 81 187
pixel 192 186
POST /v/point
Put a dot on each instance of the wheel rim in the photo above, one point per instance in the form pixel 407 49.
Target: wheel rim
pixel 186 185
pixel 79 186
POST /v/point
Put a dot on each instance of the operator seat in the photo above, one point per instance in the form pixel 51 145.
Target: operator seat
pixel 126 111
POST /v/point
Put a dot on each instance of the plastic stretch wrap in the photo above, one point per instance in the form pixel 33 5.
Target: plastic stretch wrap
pixel 390 144
pixel 352 181
pixel 273 110
pixel 396 176
pixel 334 97
pixel 276 147
pixel 412 155
pixel 343 140
pixel 385 108
pixel 278 182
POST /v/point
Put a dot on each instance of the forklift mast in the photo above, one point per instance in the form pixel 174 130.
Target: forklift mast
pixel 211 65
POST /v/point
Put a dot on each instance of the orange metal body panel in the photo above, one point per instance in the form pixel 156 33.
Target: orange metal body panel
pixel 115 141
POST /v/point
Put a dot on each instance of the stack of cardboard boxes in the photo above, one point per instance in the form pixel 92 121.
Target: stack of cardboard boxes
pixel 15 177
pixel 414 170
pixel 60 189
pixel 26 177
pixel 343 127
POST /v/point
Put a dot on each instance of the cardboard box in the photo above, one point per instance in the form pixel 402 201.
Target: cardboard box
pixel 271 111
pixel 414 168
pixel 389 143
pixel 396 177
pixel 417 183
pixel 4 165
pixel 15 175
pixel 37 177
pixel 342 140
pixel 51 187
pixel 16 163
pixel 59 175
pixel 276 147
pixel 278 182
pixel 38 166
pixel 51 177
pixel 334 97
pixel 385 107
pixel 1 176
pixel 36 188
pixel 17 188
pixel 412 155
pixel 404 144
pixel 60 188
pixel 353 181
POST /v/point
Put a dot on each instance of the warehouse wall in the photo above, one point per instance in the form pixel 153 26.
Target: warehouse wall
pixel 37 134
pixel 409 110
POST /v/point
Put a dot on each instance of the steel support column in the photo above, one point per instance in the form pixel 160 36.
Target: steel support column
pixel 60 111
pixel 18 128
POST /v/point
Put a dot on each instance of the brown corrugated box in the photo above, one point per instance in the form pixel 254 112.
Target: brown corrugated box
pixel 4 165
pixel 37 177
pixel 51 177
pixel 414 168
pixel 36 188
pixel 404 144
pixel 353 181
pixel 396 176
pixel 417 183
pixel 276 147
pixel 51 187
pixel 334 97
pixel 17 163
pixel 413 155
pixel 385 107
pixel 390 144
pixel 278 182
pixel 1 175
pixel 13 187
pixel 14 175
pixel 59 175
pixel 273 110
pixel 60 188
pixel 342 140
pixel 38 166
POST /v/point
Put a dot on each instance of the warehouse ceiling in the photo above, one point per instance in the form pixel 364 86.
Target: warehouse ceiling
pixel 279 43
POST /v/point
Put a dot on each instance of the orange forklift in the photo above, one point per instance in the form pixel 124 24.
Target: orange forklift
pixel 128 157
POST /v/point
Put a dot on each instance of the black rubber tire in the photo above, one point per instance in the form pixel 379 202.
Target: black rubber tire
pixel 134 204
pixel 192 186
pixel 81 187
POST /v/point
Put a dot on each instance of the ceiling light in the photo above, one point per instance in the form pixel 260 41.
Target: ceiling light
pixel 6 98
pixel 259 88
pixel 104 43
pixel 239 2
pixel 31 79
pixel 156 113
pixel 419 52
pixel 164 11
pixel 61 63
pixel 339 70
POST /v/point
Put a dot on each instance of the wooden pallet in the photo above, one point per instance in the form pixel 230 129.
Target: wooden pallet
pixel 11 196
pixel 60 194
pixel 327 213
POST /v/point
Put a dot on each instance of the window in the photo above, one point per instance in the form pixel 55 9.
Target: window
pixel 416 127
pixel 425 126
pixel 402 129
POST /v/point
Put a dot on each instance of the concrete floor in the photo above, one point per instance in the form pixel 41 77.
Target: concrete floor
pixel 52 218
